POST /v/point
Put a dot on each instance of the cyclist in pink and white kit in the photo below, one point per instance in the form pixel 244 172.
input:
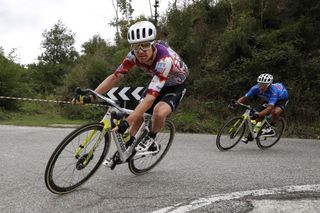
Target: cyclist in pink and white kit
pixel 166 89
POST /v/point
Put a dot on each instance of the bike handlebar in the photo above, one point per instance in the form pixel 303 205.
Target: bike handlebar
pixel 234 103
pixel 80 91
pixel 245 106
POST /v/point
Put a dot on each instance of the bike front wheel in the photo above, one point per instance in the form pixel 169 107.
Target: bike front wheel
pixel 267 141
pixel 231 133
pixel 67 170
pixel 143 163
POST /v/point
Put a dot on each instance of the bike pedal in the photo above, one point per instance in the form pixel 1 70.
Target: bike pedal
pixel 245 141
pixel 113 166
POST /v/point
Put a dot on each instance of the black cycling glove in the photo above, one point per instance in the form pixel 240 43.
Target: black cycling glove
pixel 254 115
pixel 86 99
pixel 233 105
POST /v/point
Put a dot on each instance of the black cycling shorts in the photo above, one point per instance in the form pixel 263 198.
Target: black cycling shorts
pixel 172 95
pixel 280 103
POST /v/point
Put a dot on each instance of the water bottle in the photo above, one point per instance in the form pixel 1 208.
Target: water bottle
pixel 257 127
pixel 116 118
pixel 254 122
pixel 126 136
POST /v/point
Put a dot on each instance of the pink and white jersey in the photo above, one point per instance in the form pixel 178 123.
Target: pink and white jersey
pixel 167 68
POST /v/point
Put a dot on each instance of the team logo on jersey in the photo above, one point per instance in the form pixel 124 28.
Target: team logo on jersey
pixel 160 67
pixel 130 56
pixel 278 86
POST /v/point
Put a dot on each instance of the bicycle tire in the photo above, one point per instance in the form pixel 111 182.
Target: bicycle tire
pixel 224 140
pixel 268 142
pixel 65 151
pixel 140 166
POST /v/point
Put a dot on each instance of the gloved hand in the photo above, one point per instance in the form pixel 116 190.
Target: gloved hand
pixel 233 105
pixel 254 115
pixel 83 99
pixel 123 126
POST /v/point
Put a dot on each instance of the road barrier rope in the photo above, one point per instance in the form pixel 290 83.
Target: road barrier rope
pixel 46 101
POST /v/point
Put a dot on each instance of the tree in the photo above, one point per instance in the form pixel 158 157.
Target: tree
pixel 13 81
pixel 121 23
pixel 14 55
pixel 93 45
pixel 57 59
pixel 92 67
pixel 58 45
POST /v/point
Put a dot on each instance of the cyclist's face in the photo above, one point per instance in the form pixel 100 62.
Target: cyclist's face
pixel 263 87
pixel 143 51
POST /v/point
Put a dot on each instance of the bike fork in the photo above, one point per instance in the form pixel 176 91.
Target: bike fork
pixel 85 142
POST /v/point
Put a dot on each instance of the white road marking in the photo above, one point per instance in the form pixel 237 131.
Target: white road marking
pixel 201 202
pixel 292 206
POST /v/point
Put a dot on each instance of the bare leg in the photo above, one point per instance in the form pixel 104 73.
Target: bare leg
pixel 276 112
pixel 160 113
pixel 136 125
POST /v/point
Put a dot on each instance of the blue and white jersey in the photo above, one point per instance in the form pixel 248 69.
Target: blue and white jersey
pixel 275 92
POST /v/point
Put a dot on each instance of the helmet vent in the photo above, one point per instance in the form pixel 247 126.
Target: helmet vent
pixel 143 32
pixel 265 78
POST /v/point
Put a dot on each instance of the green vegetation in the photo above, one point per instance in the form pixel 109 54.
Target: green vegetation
pixel 53 120
pixel 44 114
pixel 27 119
pixel 226 44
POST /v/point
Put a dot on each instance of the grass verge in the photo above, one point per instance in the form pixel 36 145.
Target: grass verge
pixel 21 119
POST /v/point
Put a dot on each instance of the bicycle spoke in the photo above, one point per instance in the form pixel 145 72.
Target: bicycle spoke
pixel 267 141
pixel 140 165
pixel 230 134
pixel 64 172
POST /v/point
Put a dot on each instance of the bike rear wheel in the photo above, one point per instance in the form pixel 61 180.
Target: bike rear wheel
pixel 144 163
pixel 231 133
pixel 265 142
pixel 65 172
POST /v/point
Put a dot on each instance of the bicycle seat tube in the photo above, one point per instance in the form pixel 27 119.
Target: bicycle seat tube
pixel 120 144
pixel 248 121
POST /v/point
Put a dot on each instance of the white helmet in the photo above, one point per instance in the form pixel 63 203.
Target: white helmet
pixel 265 78
pixel 142 31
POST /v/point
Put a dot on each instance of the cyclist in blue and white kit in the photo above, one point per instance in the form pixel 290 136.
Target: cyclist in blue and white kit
pixel 274 95
pixel 167 86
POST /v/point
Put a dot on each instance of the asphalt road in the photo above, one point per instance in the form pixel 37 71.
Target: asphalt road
pixel 194 176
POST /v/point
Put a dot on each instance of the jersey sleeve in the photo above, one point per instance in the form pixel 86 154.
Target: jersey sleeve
pixel 126 65
pixel 252 92
pixel 162 70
